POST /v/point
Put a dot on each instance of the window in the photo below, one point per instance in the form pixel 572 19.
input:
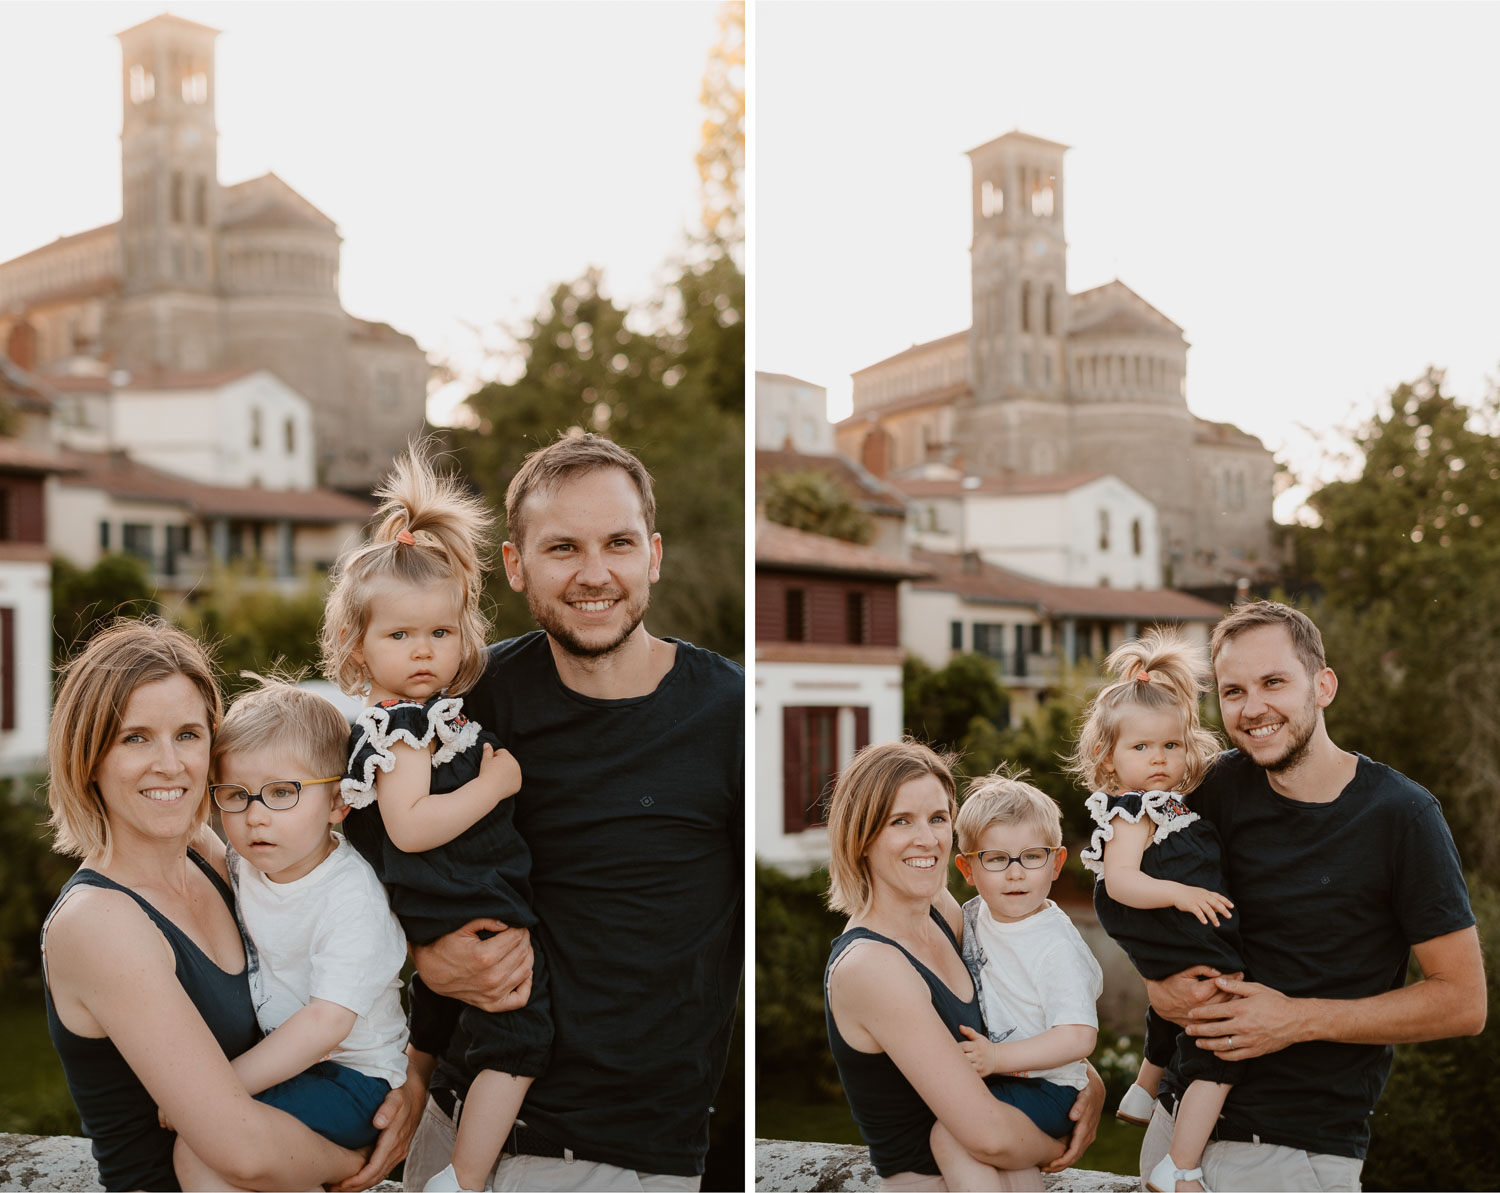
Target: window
pixel 1025 306
pixel 796 615
pixel 255 426
pixel 857 618
pixel 989 640
pixel 7 668
pixel 955 635
pixel 142 84
pixel 179 545
pixel 1104 530
pixel 104 536
pixel 135 539
pixel 1043 197
pixel 177 204
pixel 195 87
pixel 289 429
pixel 1135 537
pixel 812 753
pixel 1047 323
pixel 991 199
pixel 7 521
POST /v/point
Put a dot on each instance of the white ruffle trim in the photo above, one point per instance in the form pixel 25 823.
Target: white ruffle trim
pixel 376 723
pixel 1153 804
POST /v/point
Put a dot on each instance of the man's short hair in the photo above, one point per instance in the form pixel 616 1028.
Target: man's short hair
pixel 281 716
pixel 1003 798
pixel 547 467
pixel 1306 640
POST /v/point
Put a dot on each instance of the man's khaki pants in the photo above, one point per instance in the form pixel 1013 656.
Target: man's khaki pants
pixel 1231 1166
pixel 432 1150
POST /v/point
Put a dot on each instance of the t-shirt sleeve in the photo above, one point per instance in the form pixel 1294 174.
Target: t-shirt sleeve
pixel 1432 898
pixel 1070 982
pixel 358 949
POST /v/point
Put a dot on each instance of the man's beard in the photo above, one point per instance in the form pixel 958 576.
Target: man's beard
pixel 1301 733
pixel 547 616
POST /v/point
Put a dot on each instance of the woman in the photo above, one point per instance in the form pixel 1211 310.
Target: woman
pixel 146 981
pixel 896 989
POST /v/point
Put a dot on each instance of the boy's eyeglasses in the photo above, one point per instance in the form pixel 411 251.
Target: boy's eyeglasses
pixel 997 859
pixel 280 795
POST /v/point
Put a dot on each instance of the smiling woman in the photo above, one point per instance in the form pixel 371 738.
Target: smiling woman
pixel 146 985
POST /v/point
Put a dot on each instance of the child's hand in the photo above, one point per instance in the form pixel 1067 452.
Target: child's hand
pixel 500 768
pixel 1207 905
pixel 978 1050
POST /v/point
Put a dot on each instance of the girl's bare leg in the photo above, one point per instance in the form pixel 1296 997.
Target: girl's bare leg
pixel 489 1113
pixel 1196 1116
pixel 1149 1078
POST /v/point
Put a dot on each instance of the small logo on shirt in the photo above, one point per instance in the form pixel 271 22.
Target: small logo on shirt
pixel 646 801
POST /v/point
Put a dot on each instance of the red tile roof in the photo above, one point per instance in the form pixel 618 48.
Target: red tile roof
pixel 989 583
pixel 120 476
pixel 18 456
pixel 1014 484
pixel 780 548
pixel 858 483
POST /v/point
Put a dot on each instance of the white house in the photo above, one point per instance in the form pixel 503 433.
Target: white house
pixel 239 427
pixel 791 413
pixel 1030 629
pixel 1081 529
pixel 827 679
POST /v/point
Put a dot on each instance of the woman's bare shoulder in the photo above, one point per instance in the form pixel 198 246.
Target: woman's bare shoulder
pixel 100 927
pixel 876 970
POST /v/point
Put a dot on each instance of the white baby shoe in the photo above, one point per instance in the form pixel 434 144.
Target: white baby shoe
pixel 1135 1107
pixel 1166 1174
pixel 445 1182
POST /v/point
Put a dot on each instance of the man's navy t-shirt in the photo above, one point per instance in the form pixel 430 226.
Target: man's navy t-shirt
pixel 634 811
pixel 1330 898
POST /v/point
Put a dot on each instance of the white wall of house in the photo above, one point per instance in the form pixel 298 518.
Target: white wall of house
pixel 782 685
pixel 1102 531
pixel 27 589
pixel 789 409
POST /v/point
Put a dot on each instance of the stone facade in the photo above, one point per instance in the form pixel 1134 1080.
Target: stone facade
pixel 1048 382
pixel 197 276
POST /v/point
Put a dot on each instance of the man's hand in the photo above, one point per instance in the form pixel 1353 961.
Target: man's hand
pixel 1254 1021
pixel 397 1117
pixel 1176 997
pixel 1087 1108
pixel 493 974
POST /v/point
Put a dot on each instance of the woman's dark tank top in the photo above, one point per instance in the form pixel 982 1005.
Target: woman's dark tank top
pixel 119 1116
pixel 892 1118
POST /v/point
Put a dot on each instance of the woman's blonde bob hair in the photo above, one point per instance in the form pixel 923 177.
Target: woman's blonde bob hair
pixel 861 804
pixel 429 531
pixel 90 708
pixel 1157 671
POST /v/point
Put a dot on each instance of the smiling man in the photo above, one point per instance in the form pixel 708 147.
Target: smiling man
pixel 631 749
pixel 1340 868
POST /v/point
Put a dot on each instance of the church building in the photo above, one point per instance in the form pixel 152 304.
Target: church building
pixel 196 276
pixel 1045 382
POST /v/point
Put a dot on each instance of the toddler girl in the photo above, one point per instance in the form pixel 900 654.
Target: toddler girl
pixel 435 821
pixel 1161 890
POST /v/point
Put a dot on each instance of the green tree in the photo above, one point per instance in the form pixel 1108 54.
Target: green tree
pixel 813 501
pixel 253 626
pixel 941 705
pixel 86 600
pixel 666 396
pixel 1406 555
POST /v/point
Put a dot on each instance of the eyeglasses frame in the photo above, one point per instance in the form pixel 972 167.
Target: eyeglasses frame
pixel 1013 857
pixel 252 796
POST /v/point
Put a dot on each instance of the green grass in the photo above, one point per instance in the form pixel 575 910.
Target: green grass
pixel 33 1094
pixel 1117 1148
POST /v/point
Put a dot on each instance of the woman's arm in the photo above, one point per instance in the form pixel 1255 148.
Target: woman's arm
pixel 418 819
pixel 111 973
pixel 1060 1045
pixel 879 1002
pixel 303 1039
pixel 1126 884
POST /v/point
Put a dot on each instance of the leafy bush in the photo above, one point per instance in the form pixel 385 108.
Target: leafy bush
pixel 1433 1128
pixel 793 929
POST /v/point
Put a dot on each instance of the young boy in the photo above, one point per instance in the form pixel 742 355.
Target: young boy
pixel 322 946
pixel 1037 980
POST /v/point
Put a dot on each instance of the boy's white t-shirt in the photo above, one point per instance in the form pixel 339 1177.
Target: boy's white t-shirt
pixel 330 934
pixel 1034 974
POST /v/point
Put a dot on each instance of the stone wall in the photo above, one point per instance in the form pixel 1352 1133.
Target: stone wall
pixel 63 1163
pixel 786 1166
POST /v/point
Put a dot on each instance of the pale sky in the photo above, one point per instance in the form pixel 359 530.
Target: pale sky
pixel 1310 191
pixel 472 155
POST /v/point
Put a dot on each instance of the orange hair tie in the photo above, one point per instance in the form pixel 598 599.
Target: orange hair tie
pixel 405 537
pixel 1140 676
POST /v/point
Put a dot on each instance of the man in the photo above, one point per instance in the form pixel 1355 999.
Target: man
pixel 1338 867
pixel 631 750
